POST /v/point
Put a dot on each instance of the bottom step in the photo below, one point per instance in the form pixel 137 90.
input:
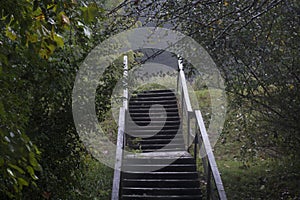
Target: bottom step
pixel 173 197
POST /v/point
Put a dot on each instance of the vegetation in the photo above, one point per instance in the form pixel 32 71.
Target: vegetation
pixel 255 45
pixel 42 46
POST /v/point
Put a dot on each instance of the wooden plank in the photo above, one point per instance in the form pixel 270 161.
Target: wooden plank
pixel 210 156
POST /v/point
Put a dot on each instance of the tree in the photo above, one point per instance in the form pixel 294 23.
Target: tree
pixel 42 46
pixel 255 45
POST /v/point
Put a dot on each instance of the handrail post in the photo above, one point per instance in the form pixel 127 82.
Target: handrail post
pixel 125 83
pixel 178 79
pixel 188 129
pixel 125 92
pixel 208 181
pixel 195 142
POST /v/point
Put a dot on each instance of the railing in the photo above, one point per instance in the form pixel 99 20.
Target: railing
pixel 121 137
pixel 201 143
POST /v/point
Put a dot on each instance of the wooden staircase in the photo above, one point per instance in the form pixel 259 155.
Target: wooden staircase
pixel 159 167
pixel 152 161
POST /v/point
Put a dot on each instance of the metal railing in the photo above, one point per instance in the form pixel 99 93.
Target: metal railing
pixel 121 136
pixel 199 140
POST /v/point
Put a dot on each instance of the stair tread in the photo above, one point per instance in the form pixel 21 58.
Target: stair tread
pixel 149 105
pixel 156 91
pixel 157 145
pixel 149 98
pixel 161 180
pixel 163 196
pixel 161 188
pixel 151 120
pixel 177 154
pixel 153 110
pixel 158 165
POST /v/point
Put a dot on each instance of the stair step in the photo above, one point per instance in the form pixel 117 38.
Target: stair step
pixel 136 110
pixel 166 149
pixel 171 119
pixel 161 191
pixel 150 136
pixel 160 167
pixel 157 146
pixel 155 135
pixel 154 141
pixel 159 160
pixel 150 103
pixel 161 197
pixel 143 106
pixel 153 92
pixel 162 131
pixel 162 175
pixel 165 127
pixel 154 115
pixel 167 183
pixel 146 123
pixel 155 120
pixel 151 98
pixel 154 100
pixel 160 150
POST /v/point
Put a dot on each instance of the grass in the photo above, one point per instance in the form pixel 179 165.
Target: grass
pixel 259 177
pixel 263 179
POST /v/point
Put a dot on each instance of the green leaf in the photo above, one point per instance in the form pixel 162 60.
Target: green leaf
pixel 90 13
pixel 59 40
pixel 16 168
pixel 22 182
pixel 32 160
pixel 10 33
pixel 32 38
pixel 46 50
pixel 30 170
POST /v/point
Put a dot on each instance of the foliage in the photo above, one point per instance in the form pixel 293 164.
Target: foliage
pixel 93 181
pixel 42 46
pixel 255 45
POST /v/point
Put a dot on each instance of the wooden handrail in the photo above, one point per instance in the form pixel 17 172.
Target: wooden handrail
pixel 119 154
pixel 121 136
pixel 210 156
pixel 210 168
